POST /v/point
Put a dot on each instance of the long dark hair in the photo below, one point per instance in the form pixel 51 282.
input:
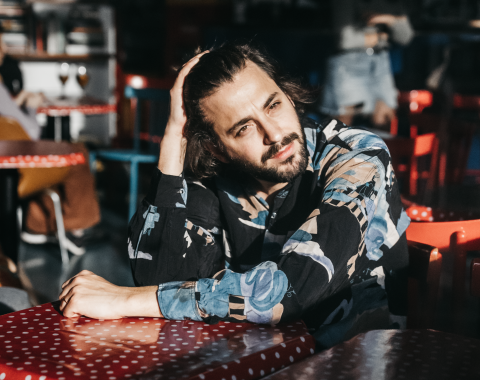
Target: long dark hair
pixel 214 69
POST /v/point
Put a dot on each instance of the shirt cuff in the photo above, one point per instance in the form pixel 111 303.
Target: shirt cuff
pixel 167 190
pixel 177 300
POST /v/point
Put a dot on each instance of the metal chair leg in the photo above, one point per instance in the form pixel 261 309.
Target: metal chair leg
pixel 60 226
pixel 92 158
pixel 132 206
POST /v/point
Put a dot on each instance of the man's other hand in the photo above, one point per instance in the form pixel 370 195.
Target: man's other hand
pixel 29 99
pixel 173 145
pixel 386 19
pixel 94 297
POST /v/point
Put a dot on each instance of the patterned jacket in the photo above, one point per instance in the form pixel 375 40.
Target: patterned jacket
pixel 331 250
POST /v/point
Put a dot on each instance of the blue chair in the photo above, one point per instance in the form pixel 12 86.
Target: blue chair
pixel 158 114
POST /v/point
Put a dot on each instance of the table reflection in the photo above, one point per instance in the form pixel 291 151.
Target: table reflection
pixel 142 348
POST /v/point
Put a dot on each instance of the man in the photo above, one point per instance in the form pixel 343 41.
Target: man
pixel 307 218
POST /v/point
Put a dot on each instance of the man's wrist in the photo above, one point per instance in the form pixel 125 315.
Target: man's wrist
pixel 172 154
pixel 141 302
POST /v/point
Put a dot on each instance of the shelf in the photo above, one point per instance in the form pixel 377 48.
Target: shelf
pixel 12 10
pixel 44 57
pixel 52 1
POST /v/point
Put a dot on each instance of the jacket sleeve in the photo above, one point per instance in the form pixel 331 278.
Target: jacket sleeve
pixel 354 236
pixel 176 233
pixel 354 239
pixel 402 32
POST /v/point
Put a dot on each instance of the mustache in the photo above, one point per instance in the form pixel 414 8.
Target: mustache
pixel 274 149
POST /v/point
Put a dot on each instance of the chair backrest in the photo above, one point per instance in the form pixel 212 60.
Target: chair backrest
pixel 455 238
pixel 10 129
pixel 440 233
pixel 405 155
pixel 458 133
pixel 154 103
pixel 425 263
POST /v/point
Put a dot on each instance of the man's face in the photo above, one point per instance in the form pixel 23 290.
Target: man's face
pixel 258 127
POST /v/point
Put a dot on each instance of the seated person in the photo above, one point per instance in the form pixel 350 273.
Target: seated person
pixel 359 84
pixel 79 203
pixel 305 217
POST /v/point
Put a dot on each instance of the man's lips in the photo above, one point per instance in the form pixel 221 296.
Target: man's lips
pixel 285 152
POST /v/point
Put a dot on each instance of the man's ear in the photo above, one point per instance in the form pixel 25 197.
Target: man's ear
pixel 217 153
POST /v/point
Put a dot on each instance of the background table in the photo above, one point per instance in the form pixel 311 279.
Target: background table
pixel 58 108
pixel 25 154
pixel 392 354
pixel 39 343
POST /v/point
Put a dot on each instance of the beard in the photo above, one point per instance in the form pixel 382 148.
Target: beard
pixel 286 171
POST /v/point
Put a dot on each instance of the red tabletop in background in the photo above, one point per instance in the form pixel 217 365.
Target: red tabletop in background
pixel 40 344
pixel 38 154
pixel 85 105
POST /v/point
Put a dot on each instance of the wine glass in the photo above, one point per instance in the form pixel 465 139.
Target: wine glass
pixel 63 74
pixel 82 77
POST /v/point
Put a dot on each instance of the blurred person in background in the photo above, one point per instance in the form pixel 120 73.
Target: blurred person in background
pixel 14 101
pixel 77 191
pixel 359 82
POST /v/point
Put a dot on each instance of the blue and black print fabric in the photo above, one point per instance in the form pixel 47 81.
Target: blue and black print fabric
pixel 331 248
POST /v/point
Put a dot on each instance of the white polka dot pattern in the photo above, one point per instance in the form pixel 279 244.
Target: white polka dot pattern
pixel 40 344
pixel 41 161
pixel 86 109
pixel 426 214
pixel 392 355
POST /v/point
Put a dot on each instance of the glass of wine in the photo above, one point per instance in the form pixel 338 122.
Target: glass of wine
pixel 82 77
pixel 63 74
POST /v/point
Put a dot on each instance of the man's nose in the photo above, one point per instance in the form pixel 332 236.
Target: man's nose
pixel 272 133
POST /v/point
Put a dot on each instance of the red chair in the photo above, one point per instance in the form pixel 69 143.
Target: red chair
pixel 457 135
pixel 425 263
pixel 405 155
pixel 455 237
pixel 415 101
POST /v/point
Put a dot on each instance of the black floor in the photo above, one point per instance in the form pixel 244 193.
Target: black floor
pixel 41 266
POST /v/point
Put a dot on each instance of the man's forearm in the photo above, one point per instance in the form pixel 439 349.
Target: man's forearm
pixel 92 296
pixel 172 155
pixel 142 302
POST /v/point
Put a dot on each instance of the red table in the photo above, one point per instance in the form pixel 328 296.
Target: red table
pixel 58 108
pixel 392 355
pixel 25 154
pixel 40 344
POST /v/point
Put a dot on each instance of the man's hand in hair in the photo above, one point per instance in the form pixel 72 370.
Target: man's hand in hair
pixel 173 145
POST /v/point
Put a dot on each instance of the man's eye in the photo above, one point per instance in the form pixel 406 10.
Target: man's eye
pixel 242 130
pixel 274 105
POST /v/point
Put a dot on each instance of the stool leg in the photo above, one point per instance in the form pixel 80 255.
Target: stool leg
pixel 132 207
pixel 60 226
pixel 9 231
pixel 58 128
pixel 92 158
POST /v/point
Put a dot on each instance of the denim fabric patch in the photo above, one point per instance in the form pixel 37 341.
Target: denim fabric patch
pixel 177 300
